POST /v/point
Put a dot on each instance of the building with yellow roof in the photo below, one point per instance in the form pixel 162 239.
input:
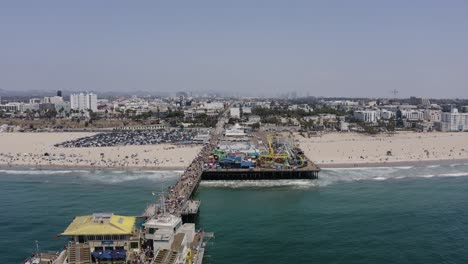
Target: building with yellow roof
pixel 101 224
pixel 101 237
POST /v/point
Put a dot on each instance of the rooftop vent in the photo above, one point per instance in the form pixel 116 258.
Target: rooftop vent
pixel 101 216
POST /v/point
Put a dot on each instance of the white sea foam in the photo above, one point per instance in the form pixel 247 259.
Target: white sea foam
pixel 118 172
pixel 460 174
pixel 113 177
pixel 433 166
pixel 358 168
pixel 102 176
pixel 261 184
pixel 35 172
pixel 404 167
pixel 380 178
pixel 427 176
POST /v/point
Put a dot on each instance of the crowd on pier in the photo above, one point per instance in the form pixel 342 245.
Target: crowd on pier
pixel 142 256
pixel 129 138
pixel 181 192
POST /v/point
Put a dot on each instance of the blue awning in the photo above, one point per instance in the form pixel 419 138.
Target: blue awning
pixel 110 254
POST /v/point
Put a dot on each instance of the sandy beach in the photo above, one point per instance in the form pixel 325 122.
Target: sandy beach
pixel 405 148
pixel 29 149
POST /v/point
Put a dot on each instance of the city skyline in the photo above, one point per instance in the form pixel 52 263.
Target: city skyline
pixel 359 49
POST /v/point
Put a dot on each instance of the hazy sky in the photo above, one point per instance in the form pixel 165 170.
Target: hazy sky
pixel 325 48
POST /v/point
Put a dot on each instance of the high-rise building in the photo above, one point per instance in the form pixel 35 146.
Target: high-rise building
pixel 59 93
pixel 83 101
pixel 454 121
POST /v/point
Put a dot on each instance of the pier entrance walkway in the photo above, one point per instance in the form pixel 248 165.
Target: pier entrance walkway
pixel 178 201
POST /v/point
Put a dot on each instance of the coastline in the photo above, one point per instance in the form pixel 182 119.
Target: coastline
pixel 421 163
pixel 39 151
pixel 342 150
pixel 442 162
pixel 92 168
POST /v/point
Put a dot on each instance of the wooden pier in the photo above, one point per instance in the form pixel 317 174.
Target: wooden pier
pixel 311 171
pixel 259 174
pixel 179 199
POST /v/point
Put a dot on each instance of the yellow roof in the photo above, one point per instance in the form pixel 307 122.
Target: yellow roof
pixel 101 224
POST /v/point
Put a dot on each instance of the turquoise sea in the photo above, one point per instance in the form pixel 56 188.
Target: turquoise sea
pixel 359 215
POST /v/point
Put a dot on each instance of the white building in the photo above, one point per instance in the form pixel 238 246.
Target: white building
pixel 342 103
pixel 385 114
pixel 344 126
pixel 413 115
pixel 454 121
pixel 12 107
pixel 235 131
pixel 30 107
pixel 367 116
pixel 234 112
pixel 53 100
pixel 432 115
pixel 254 119
pixel 35 101
pixel 83 101
pixel 194 113
pixel 247 110
pixel 214 105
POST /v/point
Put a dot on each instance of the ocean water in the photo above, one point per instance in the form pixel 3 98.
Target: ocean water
pixel 358 215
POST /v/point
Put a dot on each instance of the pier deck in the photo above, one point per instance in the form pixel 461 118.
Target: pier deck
pixel 310 171
pixel 178 201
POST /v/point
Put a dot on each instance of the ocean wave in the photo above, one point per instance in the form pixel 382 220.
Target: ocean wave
pixel 127 176
pixel 427 176
pixel 460 174
pixel 35 172
pixel 331 175
pixel 261 184
pixel 359 168
pixel 155 171
pixel 369 168
pixel 380 178
pixel 404 167
pixel 118 172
